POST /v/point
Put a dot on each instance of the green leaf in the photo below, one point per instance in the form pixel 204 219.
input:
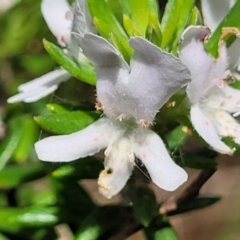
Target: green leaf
pixel 195 17
pixel 230 142
pixel 174 20
pixel 38 217
pixel 86 168
pixel 153 7
pixel 144 205
pixel 103 222
pixel 167 233
pixel 185 13
pixel 2 237
pixel 74 202
pixel 82 71
pixel 57 108
pixel 232 19
pixel 175 138
pixel 154 33
pixel 100 9
pixel 66 122
pixel 199 159
pixel 12 176
pixel 195 204
pixel 159 229
pixel 14 219
pixel 8 146
pixel 170 20
pixel 138 12
pixel 28 138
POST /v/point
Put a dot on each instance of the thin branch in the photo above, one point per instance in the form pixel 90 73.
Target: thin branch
pixel 189 193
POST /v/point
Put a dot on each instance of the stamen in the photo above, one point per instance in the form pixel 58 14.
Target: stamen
pixel 145 123
pixel 98 106
pixel 236 114
pixel 108 150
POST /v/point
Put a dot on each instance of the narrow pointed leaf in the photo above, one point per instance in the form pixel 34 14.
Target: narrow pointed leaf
pixel 195 204
pixel 138 12
pixel 87 168
pixel 82 71
pixel 144 205
pixel 101 10
pixel 66 122
pixel 12 176
pixel 175 138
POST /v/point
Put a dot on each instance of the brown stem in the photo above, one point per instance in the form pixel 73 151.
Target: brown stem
pixel 189 193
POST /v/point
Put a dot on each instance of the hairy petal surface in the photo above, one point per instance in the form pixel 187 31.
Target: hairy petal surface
pixel 150 149
pixel 57 14
pixel 205 70
pixel 206 128
pixel 155 76
pixel 80 144
pixel 118 168
pixel 40 87
pixel 110 68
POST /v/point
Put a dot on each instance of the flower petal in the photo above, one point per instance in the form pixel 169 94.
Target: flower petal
pixel 214 11
pixel 118 168
pixel 40 87
pixel 52 78
pixel 225 98
pixel 205 70
pixel 101 52
pixel 82 21
pixel 206 128
pixel 150 149
pixel 153 79
pixel 80 144
pixel 233 57
pixel 56 15
pixel 110 67
pixel 227 126
pixel 32 95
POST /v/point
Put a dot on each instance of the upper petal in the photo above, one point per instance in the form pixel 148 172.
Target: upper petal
pixel 206 128
pixel 118 168
pixel 56 14
pixel 77 145
pixel 205 70
pixel 150 149
pixel 155 76
pixel 214 11
pixel 110 68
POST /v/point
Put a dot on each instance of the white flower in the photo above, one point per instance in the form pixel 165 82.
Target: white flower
pixel 40 87
pixel 56 16
pixel 212 100
pixel 129 95
pixel 59 17
pixel 214 12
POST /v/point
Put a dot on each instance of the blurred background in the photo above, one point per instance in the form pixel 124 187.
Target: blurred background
pixel 28 195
